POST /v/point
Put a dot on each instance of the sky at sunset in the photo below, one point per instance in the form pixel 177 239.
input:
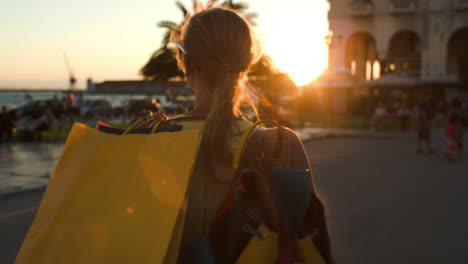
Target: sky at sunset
pixel 107 39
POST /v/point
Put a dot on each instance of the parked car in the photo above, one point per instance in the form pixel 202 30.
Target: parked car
pixel 95 108
pixel 36 108
pixel 137 108
pixel 174 109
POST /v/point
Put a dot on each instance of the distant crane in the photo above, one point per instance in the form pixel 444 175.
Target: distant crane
pixel 72 79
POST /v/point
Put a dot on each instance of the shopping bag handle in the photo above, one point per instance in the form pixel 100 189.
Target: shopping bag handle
pixel 156 126
pixel 141 119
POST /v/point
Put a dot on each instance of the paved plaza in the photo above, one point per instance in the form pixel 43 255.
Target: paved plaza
pixel 25 166
pixel 386 204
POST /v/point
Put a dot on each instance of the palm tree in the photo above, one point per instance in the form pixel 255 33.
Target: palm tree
pixel 162 64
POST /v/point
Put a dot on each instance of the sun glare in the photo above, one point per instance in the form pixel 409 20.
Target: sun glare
pixel 297 46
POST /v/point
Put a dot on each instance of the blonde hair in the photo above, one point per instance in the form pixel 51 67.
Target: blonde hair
pixel 220 46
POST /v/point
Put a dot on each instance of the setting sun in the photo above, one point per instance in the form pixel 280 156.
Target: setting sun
pixel 297 43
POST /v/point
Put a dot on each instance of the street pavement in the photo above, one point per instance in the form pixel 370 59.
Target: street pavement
pixel 384 203
pixel 26 166
pixel 16 215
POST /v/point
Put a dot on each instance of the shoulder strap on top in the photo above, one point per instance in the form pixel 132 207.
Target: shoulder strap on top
pixel 241 146
pixel 237 156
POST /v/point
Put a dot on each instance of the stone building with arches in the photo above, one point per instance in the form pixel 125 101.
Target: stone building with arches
pixel 424 39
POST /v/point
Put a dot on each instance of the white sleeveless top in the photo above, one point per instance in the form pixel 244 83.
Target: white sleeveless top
pixel 209 184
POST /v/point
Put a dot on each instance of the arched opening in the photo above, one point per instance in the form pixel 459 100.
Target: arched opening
pixel 457 61
pixel 404 54
pixel 361 52
pixel 376 70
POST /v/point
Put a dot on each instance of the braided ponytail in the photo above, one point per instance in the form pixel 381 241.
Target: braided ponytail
pixel 224 110
pixel 220 47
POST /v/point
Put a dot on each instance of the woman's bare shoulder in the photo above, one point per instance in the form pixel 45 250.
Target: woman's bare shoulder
pixel 271 135
pixel 266 142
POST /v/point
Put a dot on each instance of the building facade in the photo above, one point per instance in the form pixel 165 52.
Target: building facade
pixel 425 39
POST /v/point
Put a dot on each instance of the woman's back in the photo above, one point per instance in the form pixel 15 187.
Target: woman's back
pixel 209 183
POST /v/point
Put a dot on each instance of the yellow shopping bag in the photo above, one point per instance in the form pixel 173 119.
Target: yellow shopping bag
pixel 112 198
pixel 308 253
pixel 259 250
pixel 265 250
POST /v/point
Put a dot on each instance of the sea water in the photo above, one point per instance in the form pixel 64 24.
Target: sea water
pixel 15 99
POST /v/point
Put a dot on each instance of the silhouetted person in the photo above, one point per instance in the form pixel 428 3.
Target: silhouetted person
pixel 453 136
pixel 464 107
pixel 380 114
pixel 70 105
pixel 404 114
pixel 78 103
pixel 7 124
pixel 44 123
pixel 424 122
pixel 28 97
pixel 458 113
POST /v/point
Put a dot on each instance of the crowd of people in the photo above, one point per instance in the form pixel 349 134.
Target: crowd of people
pixel 35 117
pixel 453 113
pixel 30 128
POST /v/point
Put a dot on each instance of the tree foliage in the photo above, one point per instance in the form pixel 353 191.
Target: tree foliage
pixel 161 66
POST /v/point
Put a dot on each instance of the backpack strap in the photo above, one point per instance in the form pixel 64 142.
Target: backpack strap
pixel 285 248
pixel 242 145
pixel 236 184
